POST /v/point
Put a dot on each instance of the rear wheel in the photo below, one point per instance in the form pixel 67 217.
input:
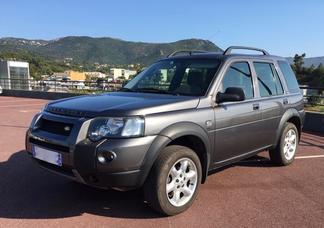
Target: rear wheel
pixel 284 153
pixel 173 183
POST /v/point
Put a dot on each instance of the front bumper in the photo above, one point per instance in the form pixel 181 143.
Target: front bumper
pixel 79 155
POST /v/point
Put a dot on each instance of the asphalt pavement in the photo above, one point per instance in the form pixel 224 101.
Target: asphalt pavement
pixel 251 193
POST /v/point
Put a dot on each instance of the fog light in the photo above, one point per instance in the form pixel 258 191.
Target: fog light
pixel 101 158
pixel 107 156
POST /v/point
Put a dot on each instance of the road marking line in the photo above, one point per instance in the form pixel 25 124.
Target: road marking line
pixel 14 101
pixel 310 156
pixel 297 157
pixel 29 110
pixel 8 106
pixel 11 126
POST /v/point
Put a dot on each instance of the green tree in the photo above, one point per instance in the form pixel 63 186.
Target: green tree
pixel 299 63
pixel 310 69
pixel 319 71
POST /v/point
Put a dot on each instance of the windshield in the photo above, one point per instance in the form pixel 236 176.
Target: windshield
pixel 179 77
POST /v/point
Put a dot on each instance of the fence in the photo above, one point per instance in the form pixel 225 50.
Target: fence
pixel 62 86
pixel 314 98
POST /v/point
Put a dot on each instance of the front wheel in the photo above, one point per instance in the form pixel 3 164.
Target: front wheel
pixel 284 153
pixel 174 180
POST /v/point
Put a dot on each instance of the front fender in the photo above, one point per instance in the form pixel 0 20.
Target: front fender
pixel 171 133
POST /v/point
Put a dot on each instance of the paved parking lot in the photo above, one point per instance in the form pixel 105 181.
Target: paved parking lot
pixel 249 193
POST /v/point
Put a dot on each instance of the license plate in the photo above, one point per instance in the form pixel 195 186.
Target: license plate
pixel 47 155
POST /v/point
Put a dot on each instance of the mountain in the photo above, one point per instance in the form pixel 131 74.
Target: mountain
pixel 83 49
pixel 310 61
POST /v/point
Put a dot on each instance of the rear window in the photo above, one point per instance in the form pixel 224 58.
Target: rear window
pixel 290 77
pixel 268 80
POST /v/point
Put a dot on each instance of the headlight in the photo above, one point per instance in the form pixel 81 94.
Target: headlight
pixel 115 127
pixel 34 122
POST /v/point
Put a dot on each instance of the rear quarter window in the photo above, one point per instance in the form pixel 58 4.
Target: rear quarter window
pixel 290 77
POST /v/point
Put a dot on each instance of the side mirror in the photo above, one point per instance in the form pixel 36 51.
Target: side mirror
pixel 230 94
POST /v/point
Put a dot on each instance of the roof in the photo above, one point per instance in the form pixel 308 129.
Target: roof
pixel 221 56
pixel 227 54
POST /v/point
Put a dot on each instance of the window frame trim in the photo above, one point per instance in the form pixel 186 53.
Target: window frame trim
pixel 224 71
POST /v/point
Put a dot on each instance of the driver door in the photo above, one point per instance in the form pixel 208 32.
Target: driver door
pixel 237 126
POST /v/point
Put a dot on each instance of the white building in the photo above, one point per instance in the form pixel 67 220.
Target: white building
pixel 95 74
pixel 14 75
pixel 119 72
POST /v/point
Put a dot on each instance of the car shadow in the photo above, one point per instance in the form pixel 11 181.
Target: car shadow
pixel 256 161
pixel 27 191
pixel 312 143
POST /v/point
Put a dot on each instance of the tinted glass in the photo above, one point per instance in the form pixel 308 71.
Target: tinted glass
pixel 289 75
pixel 18 76
pixel 268 80
pixel 190 77
pixel 278 81
pixel 238 75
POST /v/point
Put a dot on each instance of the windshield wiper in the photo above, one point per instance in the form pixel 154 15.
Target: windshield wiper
pixel 151 90
pixel 124 89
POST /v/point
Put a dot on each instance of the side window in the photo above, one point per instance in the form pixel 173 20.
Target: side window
pixel 278 82
pixel 289 75
pixel 238 75
pixel 268 79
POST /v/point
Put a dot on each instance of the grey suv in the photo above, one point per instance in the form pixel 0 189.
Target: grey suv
pixel 166 129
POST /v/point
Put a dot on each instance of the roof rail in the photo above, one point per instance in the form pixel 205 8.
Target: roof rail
pixel 189 52
pixel 229 49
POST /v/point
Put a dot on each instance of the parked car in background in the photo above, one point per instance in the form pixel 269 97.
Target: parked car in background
pixel 0 90
pixel 176 121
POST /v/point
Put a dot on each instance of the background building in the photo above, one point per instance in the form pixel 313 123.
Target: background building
pixel 69 75
pixel 119 73
pixel 14 75
pixel 94 75
pixel 76 75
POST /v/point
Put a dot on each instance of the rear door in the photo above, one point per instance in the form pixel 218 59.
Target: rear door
pixel 237 123
pixel 271 99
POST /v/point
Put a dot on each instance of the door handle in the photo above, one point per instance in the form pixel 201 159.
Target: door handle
pixel 256 106
pixel 285 101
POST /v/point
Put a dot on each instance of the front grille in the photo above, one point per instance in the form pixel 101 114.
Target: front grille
pixel 47 145
pixel 55 127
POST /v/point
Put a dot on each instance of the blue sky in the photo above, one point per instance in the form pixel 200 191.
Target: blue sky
pixel 282 27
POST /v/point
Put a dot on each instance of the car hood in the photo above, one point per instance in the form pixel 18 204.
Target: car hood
pixel 121 104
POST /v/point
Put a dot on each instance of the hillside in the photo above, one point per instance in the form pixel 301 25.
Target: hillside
pixel 310 61
pixel 102 50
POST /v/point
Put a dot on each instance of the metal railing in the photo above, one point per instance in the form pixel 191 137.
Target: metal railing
pixel 313 98
pixel 63 86
pixel 313 95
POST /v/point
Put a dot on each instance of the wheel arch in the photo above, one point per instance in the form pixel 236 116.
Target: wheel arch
pixel 186 134
pixel 292 116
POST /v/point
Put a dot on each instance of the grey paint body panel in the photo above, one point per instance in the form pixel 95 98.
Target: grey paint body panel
pixel 229 131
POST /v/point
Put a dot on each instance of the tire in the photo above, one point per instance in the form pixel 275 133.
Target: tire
pixel 283 154
pixel 162 176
